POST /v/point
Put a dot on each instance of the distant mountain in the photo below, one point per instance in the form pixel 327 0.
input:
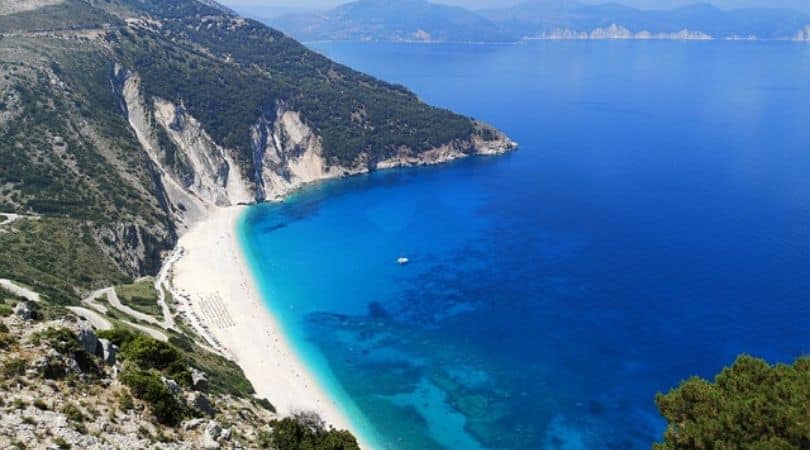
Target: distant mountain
pixel 421 21
pixel 572 19
pixel 383 20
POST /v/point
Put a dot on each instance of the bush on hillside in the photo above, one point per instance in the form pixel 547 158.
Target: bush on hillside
pixel 147 386
pixel 299 433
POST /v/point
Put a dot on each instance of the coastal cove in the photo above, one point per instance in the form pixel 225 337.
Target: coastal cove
pixel 552 292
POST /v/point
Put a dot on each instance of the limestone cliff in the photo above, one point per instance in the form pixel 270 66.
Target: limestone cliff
pixel 198 174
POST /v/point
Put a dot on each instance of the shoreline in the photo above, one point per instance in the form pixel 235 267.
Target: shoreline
pixel 213 284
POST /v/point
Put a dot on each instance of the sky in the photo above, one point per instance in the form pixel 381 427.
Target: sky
pixel 269 8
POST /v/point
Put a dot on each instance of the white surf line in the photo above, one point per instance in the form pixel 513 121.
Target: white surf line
pixel 18 290
pixel 98 321
pixel 162 282
pixel 159 335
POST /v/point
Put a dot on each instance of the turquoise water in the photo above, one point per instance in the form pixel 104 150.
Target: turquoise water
pixel 654 224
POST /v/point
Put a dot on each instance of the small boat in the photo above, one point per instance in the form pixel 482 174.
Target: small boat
pixel 403 260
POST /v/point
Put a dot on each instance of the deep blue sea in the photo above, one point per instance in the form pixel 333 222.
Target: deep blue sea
pixel 654 224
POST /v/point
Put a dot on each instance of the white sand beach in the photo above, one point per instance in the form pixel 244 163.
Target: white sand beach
pixel 215 291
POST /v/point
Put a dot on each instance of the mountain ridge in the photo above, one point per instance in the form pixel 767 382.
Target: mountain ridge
pixel 127 121
pixel 372 20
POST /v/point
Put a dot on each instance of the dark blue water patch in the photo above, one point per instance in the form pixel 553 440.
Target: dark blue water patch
pixel 654 224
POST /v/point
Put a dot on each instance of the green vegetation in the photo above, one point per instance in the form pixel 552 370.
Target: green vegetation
pixel 147 359
pixel 61 16
pixel 148 386
pixel 13 367
pixel 750 405
pixel 304 434
pixel 62 340
pixel 65 342
pixel 174 359
pixel 52 255
pixel 353 112
pixel 73 413
pixel 140 296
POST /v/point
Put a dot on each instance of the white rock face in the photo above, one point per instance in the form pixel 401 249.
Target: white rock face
pixel 186 207
pixel 615 31
pixel 201 175
pixel 803 35
pixel 216 176
pixel 292 155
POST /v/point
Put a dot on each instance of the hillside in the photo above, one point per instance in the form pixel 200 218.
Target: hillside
pixel 420 21
pixel 572 19
pixel 124 122
pixel 402 21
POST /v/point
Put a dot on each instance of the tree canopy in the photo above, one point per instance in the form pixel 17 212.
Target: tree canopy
pixel 750 405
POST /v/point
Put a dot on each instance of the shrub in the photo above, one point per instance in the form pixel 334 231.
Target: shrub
pixel 3 327
pixel 73 413
pixel 5 310
pixel 62 340
pixel 147 386
pixel 297 434
pixel 148 353
pixel 125 401
pixel 6 340
pixel 40 404
pixel 264 403
pixel 118 336
pixel 750 405
pixel 61 443
pixel 13 367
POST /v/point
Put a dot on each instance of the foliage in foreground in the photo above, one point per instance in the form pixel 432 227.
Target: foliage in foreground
pixel 750 405
pixel 304 433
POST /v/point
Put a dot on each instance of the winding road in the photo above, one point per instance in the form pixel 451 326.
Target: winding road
pixel 20 291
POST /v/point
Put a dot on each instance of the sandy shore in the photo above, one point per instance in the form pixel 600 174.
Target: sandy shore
pixel 217 293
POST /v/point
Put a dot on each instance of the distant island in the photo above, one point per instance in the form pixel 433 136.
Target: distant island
pixel 423 21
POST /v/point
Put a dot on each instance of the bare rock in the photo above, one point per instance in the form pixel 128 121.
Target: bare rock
pixel 200 402
pixel 211 435
pixel 107 351
pixel 23 311
pixel 192 424
pixel 174 388
pixel 88 339
pixel 199 382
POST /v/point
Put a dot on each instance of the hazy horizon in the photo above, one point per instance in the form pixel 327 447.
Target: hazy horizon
pixel 277 7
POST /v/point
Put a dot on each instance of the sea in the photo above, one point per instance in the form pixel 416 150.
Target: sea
pixel 653 225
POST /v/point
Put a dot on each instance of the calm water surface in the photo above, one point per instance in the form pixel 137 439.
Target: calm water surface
pixel 654 224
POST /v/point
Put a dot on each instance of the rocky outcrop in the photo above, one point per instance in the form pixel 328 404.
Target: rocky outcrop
pixel 196 174
pixel 23 311
pixel 183 204
pixel 803 35
pixel 615 31
pixel 212 173
pixel 199 382
pixel 289 154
